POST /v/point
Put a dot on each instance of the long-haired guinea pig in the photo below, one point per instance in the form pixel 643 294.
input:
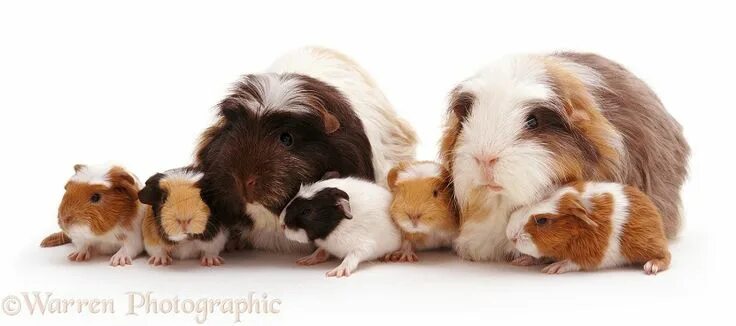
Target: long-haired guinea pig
pixel 179 223
pixel 100 214
pixel 527 124
pixel 347 218
pixel 422 208
pixel 314 111
pixel 592 225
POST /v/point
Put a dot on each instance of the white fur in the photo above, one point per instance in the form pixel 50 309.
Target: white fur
pixel 619 217
pixel 131 246
pixel 379 120
pixel 93 175
pixel 266 233
pixel 503 93
pixel 184 175
pixel 370 234
pixel 419 170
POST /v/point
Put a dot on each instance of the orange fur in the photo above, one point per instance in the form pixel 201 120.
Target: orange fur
pixel 183 203
pixel 643 237
pixel 151 235
pixel 55 240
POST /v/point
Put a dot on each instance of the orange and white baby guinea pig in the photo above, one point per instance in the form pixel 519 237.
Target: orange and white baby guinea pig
pixel 179 224
pixel 592 225
pixel 100 214
pixel 422 208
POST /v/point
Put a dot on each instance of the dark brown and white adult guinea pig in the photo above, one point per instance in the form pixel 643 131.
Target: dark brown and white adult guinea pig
pixel 592 225
pixel 100 214
pixel 179 224
pixel 314 111
pixel 528 123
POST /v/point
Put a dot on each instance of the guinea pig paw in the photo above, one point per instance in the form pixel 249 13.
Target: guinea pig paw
pixel 406 255
pixel 317 257
pixel 339 271
pixel 526 260
pixel 159 260
pixel 560 267
pixel 211 261
pixel 120 259
pixel 654 266
pixel 80 256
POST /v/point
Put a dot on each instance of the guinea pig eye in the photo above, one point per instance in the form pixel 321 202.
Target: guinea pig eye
pixel 286 139
pixel 531 122
pixel 95 198
pixel 435 193
pixel 306 211
pixel 541 221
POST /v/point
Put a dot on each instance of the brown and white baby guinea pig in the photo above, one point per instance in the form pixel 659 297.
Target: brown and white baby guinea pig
pixel 422 207
pixel 592 225
pixel 179 223
pixel 100 214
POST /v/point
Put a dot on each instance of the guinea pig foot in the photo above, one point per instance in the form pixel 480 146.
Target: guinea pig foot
pixel 654 266
pixel 317 257
pixel 526 260
pixel 339 271
pixel 160 260
pixel 82 255
pixel 404 255
pixel 121 259
pixel 211 261
pixel 560 267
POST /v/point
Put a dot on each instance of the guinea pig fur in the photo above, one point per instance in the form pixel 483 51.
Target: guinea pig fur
pixel 422 207
pixel 179 223
pixel 101 214
pixel 527 124
pixel 314 111
pixel 592 225
pixel 347 218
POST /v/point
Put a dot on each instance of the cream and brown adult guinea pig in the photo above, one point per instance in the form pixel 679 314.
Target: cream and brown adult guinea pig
pixel 313 111
pixel 592 225
pixel 422 207
pixel 178 223
pixel 526 124
pixel 100 214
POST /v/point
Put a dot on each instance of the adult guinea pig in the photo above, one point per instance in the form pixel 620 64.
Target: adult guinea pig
pixel 422 207
pixel 100 214
pixel 313 111
pixel 592 225
pixel 345 217
pixel 179 223
pixel 524 125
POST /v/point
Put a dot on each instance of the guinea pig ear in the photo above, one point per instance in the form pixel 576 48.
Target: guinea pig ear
pixel 573 205
pixel 393 175
pixel 231 109
pixel 461 103
pixel 330 175
pixel 343 202
pixel 331 122
pixel 152 193
pixel 79 167
pixel 124 182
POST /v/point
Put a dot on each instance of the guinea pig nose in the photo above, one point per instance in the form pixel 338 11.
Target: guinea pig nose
pixel 250 182
pixel 486 160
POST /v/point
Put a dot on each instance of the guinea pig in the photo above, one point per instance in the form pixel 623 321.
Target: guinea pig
pixel 347 218
pixel 592 225
pixel 313 111
pixel 527 124
pixel 100 214
pixel 422 208
pixel 179 223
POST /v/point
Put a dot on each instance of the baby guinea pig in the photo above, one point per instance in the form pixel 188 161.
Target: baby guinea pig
pixel 422 207
pixel 100 214
pixel 585 226
pixel 179 223
pixel 345 217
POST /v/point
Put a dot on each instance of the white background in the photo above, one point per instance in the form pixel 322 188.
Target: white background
pixel 135 83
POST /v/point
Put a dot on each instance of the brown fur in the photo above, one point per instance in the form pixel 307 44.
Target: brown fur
pixel 416 197
pixel 55 240
pixel 118 203
pixel 151 234
pixel 183 202
pixel 643 237
pixel 567 236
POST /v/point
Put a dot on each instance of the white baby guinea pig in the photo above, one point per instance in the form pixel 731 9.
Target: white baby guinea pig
pixel 100 214
pixel 592 225
pixel 347 217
